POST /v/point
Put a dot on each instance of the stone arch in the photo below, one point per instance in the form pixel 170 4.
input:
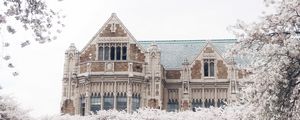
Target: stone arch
pixel 68 107
pixel 153 103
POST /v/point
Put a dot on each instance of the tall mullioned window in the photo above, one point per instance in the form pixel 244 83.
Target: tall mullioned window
pixel 196 103
pixel 95 103
pixel 173 105
pixel 121 102
pixel 209 68
pixel 108 101
pixel 106 53
pixel 135 102
pixel 112 51
pixel 209 102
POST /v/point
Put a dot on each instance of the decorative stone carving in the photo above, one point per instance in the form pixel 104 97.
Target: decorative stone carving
pixel 152 103
pixel 109 66
pixel 173 74
pixel 185 105
pixel 90 51
pixel 222 70
pixel 208 50
pixel 121 66
pixel 97 66
pixel 136 54
pixel 68 107
pixel 113 30
pixel 137 67
pixel 196 70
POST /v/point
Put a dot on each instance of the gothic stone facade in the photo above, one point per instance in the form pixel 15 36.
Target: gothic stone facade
pixel 115 71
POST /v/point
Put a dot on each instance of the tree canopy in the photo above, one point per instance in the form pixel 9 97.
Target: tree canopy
pixel 31 17
pixel 272 91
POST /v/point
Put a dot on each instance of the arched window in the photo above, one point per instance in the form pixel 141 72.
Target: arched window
pixel 135 102
pixel 172 105
pixel 212 103
pixel 206 104
pixel 219 103
pixel 106 53
pixel 209 68
pixel 100 53
pixel 118 53
pixel 108 101
pixel 196 103
pixel 206 69
pixel 124 53
pixel 112 53
pixel 121 102
pixel 95 103
pixel 212 68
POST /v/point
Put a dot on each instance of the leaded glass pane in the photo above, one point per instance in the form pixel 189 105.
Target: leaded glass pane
pixel 196 103
pixel 124 53
pixel 135 103
pixel 100 53
pixel 108 102
pixel 121 103
pixel 118 53
pixel 172 106
pixel 112 53
pixel 206 69
pixel 95 103
pixel 212 69
pixel 106 53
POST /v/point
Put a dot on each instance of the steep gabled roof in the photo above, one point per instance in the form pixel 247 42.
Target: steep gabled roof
pixel 113 19
pixel 173 52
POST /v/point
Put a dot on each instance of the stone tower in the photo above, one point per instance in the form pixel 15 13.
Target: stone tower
pixel 185 79
pixel 154 77
pixel 69 79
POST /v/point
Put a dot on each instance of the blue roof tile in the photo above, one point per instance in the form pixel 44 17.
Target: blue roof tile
pixel 173 52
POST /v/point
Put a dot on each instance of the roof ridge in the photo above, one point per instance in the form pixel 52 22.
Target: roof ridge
pixel 180 41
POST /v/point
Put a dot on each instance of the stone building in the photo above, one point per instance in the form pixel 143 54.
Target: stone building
pixel 115 71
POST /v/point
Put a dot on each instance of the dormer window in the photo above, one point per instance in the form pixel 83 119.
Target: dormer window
pixel 112 51
pixel 209 68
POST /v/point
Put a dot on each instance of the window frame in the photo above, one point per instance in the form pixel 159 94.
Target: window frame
pixel 121 102
pixel 95 103
pixel 108 102
pixel 172 105
pixel 208 62
pixel 136 102
pixel 112 51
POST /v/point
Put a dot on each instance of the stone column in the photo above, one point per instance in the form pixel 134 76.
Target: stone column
pixel 87 103
pixel 215 96
pixel 115 101
pixel 143 95
pixel 180 92
pixel 102 95
pixel 129 95
pixel 202 95
pixel 115 96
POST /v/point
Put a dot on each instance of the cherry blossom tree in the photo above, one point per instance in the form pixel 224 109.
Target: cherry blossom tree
pixel 10 110
pixel 31 17
pixel 272 90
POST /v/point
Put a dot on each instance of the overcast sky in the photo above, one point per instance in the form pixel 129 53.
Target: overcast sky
pixel 38 87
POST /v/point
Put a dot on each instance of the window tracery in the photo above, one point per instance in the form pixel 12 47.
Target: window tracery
pixel 209 68
pixel 112 51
